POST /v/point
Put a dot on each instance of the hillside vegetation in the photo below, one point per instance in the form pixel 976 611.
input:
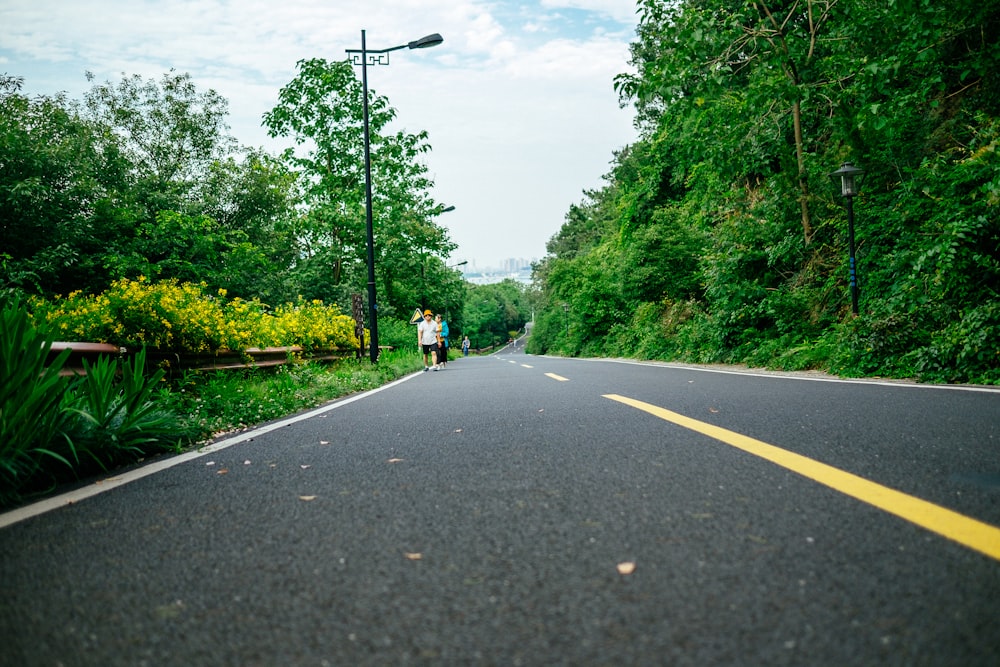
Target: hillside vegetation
pixel 719 237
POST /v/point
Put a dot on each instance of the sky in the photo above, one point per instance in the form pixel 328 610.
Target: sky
pixel 518 101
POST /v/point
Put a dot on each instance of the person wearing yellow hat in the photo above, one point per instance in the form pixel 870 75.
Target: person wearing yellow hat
pixel 427 339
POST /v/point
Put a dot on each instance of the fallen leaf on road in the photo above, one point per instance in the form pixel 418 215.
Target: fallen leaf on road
pixel 395 461
pixel 712 410
pixel 626 568
pixel 307 498
pixel 413 556
pixel 222 472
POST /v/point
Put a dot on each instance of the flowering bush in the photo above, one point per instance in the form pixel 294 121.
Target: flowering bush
pixel 181 317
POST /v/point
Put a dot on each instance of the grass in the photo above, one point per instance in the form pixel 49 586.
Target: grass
pixel 224 401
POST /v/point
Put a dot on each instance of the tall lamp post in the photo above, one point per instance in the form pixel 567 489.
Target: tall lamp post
pixel 849 179
pixel 363 56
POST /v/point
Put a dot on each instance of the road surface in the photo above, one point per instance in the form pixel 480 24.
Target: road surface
pixel 522 510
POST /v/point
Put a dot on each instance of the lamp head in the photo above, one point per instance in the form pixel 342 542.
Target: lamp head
pixel 426 42
pixel 849 179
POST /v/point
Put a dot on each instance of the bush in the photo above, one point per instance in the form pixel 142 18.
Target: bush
pixel 120 421
pixel 181 317
pixel 32 412
pixel 55 427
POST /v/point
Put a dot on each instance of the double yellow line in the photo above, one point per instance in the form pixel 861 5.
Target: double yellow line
pixel 974 534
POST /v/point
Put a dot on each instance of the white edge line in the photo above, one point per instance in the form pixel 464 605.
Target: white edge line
pixel 103 485
pixel 782 375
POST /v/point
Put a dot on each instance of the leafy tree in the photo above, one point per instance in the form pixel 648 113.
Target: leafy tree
pixel 59 193
pixel 716 236
pixel 139 179
pixel 321 110
pixel 170 133
pixel 493 311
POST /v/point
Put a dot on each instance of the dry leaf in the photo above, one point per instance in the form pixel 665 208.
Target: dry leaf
pixel 626 567
pixel 222 472
pixel 413 556
pixel 712 410
pixel 307 498
pixel 395 461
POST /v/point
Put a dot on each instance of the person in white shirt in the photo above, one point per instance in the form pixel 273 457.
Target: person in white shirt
pixel 427 339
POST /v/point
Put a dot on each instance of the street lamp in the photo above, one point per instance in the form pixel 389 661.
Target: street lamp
pixel 462 263
pixel 377 57
pixel 849 178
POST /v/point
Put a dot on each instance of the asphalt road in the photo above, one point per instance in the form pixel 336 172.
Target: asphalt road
pixel 519 510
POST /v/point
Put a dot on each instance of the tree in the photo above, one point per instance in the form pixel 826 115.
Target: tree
pixel 321 110
pixel 59 194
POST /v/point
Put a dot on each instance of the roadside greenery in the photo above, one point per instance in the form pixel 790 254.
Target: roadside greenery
pixel 718 237
pixel 219 402
pixel 184 317
pixel 56 428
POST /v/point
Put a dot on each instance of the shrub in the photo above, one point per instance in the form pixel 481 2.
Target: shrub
pixel 55 427
pixel 181 317
pixel 32 414
pixel 118 421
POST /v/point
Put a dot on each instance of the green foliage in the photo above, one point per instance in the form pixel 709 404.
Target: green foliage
pixel 717 238
pixel 120 420
pixel 491 312
pixel 32 392
pixel 224 401
pixel 184 318
pixel 54 427
pixel 321 110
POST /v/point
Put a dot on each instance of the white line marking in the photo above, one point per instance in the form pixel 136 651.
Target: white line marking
pixel 100 486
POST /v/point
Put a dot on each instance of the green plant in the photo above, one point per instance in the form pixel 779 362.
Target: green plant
pixel 116 420
pixel 32 418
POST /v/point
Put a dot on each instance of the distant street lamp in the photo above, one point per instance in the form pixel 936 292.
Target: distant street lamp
pixel 377 57
pixel 462 263
pixel 849 179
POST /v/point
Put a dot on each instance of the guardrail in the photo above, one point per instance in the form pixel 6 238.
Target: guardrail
pixel 224 360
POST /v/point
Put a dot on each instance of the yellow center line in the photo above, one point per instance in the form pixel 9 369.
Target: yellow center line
pixel 969 532
pixel 557 377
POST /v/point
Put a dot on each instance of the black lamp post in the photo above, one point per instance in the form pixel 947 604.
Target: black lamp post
pixel 849 179
pixel 377 57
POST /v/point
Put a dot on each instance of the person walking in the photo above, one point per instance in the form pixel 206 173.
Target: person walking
pixel 427 340
pixel 465 346
pixel 442 327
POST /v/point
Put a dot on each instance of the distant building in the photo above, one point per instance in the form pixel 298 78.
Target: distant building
pixel 518 269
